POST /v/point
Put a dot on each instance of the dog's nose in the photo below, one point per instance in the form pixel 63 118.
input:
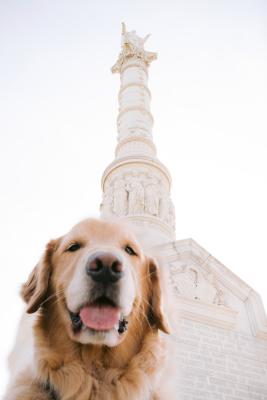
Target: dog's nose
pixel 104 267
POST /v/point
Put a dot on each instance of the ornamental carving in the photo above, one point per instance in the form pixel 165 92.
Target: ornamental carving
pixel 188 281
pixel 132 45
pixel 107 202
pixel 136 197
pixel 121 198
pixel 152 198
pixel 138 193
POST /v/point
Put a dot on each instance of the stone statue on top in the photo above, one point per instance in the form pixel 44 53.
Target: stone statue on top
pixel 132 46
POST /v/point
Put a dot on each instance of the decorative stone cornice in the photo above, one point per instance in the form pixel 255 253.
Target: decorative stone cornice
pixel 257 315
pixel 206 289
pixel 116 164
pixel 151 221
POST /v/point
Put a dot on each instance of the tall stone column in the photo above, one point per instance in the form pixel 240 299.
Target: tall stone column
pixel 136 186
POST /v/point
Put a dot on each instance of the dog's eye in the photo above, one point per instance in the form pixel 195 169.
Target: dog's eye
pixel 130 251
pixel 74 247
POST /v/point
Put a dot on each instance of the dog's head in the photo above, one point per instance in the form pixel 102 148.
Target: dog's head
pixel 98 280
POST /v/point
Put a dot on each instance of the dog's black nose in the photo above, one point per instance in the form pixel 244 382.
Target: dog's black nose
pixel 104 267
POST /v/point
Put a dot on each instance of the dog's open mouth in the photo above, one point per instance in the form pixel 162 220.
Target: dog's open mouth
pixel 101 315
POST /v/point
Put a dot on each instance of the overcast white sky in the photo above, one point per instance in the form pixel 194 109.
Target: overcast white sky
pixel 58 105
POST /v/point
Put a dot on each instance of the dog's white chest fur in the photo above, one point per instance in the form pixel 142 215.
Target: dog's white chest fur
pixel 22 355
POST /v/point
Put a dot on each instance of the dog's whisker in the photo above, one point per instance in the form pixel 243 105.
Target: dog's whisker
pixel 148 275
pixel 54 298
pixel 51 297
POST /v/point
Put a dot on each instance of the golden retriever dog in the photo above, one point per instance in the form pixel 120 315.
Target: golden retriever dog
pixel 94 312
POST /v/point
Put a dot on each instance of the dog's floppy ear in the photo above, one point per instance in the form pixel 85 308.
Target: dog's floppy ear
pixel 34 290
pixel 156 314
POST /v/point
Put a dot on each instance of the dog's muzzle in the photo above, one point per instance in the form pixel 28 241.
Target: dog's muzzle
pixel 102 312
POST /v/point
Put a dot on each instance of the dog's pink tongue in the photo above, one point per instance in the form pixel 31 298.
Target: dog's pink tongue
pixel 100 318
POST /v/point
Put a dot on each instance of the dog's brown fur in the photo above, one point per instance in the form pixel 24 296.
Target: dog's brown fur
pixel 69 370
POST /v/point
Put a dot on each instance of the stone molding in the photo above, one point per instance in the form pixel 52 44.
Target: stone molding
pixel 131 139
pixel 257 315
pixel 152 222
pixel 133 63
pixel 142 161
pixel 209 314
pixel 137 108
pixel 129 85
pixel 135 132
pixel 226 280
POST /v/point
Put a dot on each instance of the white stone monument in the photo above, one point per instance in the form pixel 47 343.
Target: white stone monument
pixel 221 325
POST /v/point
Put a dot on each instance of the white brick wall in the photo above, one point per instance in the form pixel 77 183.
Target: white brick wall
pixel 217 364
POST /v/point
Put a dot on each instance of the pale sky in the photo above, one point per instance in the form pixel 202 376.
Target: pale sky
pixel 58 102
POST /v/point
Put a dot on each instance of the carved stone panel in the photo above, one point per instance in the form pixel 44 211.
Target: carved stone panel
pixel 191 282
pixel 120 197
pixel 136 197
pixel 139 192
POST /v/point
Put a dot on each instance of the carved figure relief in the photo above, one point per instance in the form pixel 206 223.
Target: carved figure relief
pixel 152 199
pixel 120 198
pixel 136 202
pixel 219 298
pixel 137 193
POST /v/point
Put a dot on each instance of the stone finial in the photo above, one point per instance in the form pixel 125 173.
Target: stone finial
pixel 132 45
